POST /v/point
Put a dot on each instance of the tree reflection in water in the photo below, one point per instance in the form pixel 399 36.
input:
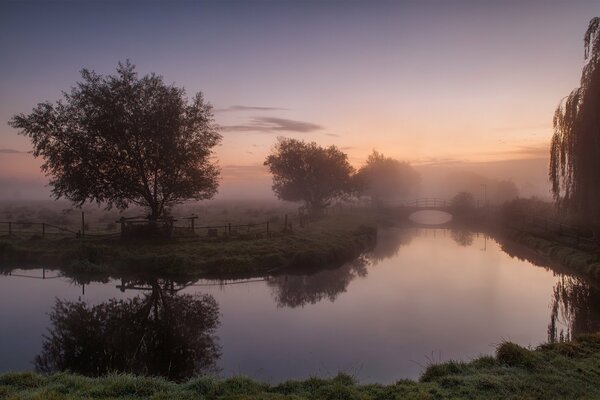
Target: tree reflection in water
pixel 159 333
pixel 576 305
pixel 389 242
pixel 299 290
pixel 462 237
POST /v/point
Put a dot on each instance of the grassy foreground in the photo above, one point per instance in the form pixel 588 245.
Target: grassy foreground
pixel 326 242
pixel 568 370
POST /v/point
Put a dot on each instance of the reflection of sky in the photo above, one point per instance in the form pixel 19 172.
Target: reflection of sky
pixel 423 81
pixel 433 298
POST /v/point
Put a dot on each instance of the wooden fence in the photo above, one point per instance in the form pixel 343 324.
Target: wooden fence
pixel 128 227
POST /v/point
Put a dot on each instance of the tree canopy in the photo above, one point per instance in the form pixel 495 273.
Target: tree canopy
pixel 575 149
pixel 122 140
pixel 383 178
pixel 309 173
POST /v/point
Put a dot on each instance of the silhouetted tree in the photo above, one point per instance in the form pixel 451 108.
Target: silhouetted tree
pixel 309 173
pixel 383 178
pixel 575 149
pixel 463 202
pixel 160 333
pixel 122 140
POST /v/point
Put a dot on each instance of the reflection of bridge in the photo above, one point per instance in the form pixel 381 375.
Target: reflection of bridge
pixel 426 203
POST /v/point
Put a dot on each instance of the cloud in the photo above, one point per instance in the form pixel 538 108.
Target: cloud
pixel 12 151
pixel 249 108
pixel 332 134
pixel 271 125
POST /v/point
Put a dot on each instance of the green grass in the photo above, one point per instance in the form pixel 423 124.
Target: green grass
pixel 329 241
pixel 581 259
pixel 569 370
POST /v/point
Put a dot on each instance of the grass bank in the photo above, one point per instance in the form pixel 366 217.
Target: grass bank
pixel 583 259
pixel 554 371
pixel 326 242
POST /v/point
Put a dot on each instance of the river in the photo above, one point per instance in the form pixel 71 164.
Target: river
pixel 421 296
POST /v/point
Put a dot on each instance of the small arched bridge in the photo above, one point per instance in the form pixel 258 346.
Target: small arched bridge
pixel 422 204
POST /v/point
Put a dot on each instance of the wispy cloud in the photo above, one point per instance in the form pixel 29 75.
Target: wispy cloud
pixel 332 134
pixel 249 108
pixel 12 151
pixel 272 125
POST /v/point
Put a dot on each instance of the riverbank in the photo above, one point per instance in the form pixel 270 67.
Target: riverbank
pixel 559 371
pixel 329 241
pixel 566 254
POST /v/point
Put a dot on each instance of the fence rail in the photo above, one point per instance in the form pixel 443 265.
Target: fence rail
pixel 43 230
pixel 420 203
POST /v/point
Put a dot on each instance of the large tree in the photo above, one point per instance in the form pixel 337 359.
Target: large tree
pixel 575 150
pixel 309 173
pixel 121 140
pixel 384 178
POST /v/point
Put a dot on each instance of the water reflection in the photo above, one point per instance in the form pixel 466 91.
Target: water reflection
pixel 158 333
pixel 300 290
pixel 389 242
pixel 462 237
pixel 575 309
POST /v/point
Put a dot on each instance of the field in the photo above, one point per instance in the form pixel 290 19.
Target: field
pixel 323 242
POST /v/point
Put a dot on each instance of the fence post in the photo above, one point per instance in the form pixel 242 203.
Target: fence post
pixel 9 229
pixel 229 228
pixel 82 224
pixel 285 224
pixel 43 229
pixel 267 228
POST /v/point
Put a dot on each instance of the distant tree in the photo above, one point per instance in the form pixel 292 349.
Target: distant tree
pixel 463 202
pixel 383 178
pixel 575 150
pixel 122 140
pixel 309 173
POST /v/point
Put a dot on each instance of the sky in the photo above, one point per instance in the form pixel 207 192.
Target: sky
pixel 450 84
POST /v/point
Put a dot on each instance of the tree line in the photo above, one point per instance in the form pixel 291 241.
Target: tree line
pixel 122 140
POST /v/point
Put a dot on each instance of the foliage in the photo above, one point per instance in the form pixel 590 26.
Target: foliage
pixel 309 173
pixel 122 140
pixel 158 334
pixel 575 149
pixel 463 202
pixel 384 178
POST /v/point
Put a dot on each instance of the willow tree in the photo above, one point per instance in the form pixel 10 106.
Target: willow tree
pixel 575 149
pixel 123 139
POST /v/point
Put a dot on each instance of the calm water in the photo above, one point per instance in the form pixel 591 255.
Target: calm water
pixel 421 296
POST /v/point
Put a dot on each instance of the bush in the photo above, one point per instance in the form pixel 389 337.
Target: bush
pixel 514 355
